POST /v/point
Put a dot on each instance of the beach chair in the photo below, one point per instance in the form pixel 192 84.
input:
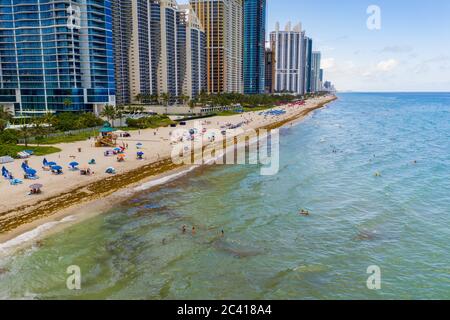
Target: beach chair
pixel 23 155
pixel 15 182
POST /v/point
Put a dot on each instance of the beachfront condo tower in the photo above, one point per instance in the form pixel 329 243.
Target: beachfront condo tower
pixel 308 64
pixel 315 71
pixel 56 56
pixel 193 52
pixel 223 24
pixel 269 66
pixel 254 46
pixel 159 49
pixel 287 47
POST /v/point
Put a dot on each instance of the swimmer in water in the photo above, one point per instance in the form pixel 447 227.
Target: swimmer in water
pixel 193 230
pixel 223 233
pixel 304 212
pixel 184 229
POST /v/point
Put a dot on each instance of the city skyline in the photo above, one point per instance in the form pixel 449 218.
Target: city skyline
pixel 355 58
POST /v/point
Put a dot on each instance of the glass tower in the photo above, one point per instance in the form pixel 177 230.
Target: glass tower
pixel 254 46
pixel 56 55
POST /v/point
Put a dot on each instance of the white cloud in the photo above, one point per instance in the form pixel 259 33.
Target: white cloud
pixel 387 65
pixel 328 63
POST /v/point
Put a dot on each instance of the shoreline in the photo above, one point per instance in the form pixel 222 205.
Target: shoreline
pixel 77 204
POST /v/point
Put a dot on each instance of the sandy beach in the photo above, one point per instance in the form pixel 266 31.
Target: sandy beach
pixel 65 194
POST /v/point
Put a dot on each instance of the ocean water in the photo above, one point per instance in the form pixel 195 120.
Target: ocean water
pixel 398 221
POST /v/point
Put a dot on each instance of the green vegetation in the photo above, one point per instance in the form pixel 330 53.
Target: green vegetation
pixel 12 150
pixel 81 136
pixel 246 101
pixel 150 122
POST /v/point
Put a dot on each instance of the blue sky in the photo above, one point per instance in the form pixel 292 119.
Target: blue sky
pixel 411 51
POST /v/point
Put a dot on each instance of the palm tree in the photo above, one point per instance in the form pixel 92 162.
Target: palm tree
pixel 139 97
pixel 120 110
pixel 25 130
pixel 183 98
pixel 109 112
pixel 165 98
pixel 67 103
pixel 49 118
pixel 154 98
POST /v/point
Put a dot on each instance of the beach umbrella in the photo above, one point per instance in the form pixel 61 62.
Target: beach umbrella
pixel 24 166
pixel 36 186
pixel 121 156
pixel 139 144
pixel 45 162
pixel 140 153
pixel 74 164
pixel 57 168
pixel 51 164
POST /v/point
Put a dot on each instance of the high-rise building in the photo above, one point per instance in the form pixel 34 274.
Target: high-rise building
pixel 254 46
pixel 159 49
pixel 321 80
pixel 308 64
pixel 56 56
pixel 223 24
pixel 287 49
pixel 194 76
pixel 315 71
pixel 269 62
pixel 137 48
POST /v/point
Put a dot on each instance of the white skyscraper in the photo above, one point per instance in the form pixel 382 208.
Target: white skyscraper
pixel 315 70
pixel 289 70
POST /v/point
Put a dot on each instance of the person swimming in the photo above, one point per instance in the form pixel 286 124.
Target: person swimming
pixel 184 229
pixel 304 212
pixel 193 231
pixel 223 233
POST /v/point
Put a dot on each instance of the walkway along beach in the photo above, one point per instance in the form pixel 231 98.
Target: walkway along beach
pixel 70 192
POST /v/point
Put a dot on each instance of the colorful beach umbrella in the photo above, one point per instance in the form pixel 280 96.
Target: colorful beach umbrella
pixel 56 168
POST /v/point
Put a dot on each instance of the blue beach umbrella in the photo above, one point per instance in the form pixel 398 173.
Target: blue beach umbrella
pixel 74 164
pixel 140 153
pixel 57 168
pixel 44 162
pixel 51 164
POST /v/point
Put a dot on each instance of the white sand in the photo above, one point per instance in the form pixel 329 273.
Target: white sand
pixel 156 146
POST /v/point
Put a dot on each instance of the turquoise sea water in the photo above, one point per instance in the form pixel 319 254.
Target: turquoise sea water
pixel 399 221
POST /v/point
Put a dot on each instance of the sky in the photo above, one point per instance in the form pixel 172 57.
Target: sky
pixel 410 51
